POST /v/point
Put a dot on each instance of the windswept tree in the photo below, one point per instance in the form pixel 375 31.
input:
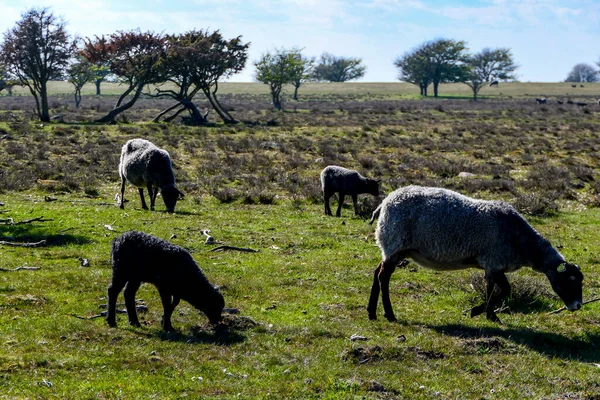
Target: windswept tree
pixel 338 69
pixel 133 57
pixel 78 74
pixel 37 50
pixel 302 71
pixel 414 67
pixel 277 69
pixel 194 62
pixel 487 66
pixel 583 73
pixel 447 59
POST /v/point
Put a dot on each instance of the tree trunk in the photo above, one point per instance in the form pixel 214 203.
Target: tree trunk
pixel 296 87
pixel 421 89
pixel 97 83
pixel 172 117
pixel 110 117
pixel 77 97
pixel 435 89
pixel 9 90
pixel 162 113
pixel 425 90
pixel 45 114
pixel 196 116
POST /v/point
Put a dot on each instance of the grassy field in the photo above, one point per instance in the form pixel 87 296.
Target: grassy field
pixel 303 295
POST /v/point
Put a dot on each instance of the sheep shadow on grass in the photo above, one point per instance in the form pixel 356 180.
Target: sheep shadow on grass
pixel 549 344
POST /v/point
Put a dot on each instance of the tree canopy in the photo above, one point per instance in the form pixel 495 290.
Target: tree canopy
pixel 79 73
pixel 338 69
pixel 37 50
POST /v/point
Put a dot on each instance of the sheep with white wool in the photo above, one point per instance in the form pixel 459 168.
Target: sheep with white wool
pixel 146 166
pixel 345 181
pixel 444 230
pixel 138 257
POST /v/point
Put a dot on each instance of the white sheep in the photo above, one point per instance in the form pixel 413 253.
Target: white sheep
pixel 146 166
pixel 444 230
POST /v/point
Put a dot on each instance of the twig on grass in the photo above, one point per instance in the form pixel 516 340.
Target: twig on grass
pixel 14 244
pixel 20 269
pixel 225 247
pixel 10 221
pixel 564 308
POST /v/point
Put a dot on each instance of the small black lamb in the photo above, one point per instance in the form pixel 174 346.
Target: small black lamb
pixel 146 166
pixel 344 181
pixel 138 257
pixel 444 230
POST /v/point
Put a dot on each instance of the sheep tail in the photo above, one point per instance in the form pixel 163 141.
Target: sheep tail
pixel 375 214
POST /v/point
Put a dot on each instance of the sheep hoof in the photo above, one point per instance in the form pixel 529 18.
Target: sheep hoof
pixel 372 317
pixel 494 318
pixel 122 206
pixel 135 323
pixel 391 318
pixel 112 323
pixel 478 310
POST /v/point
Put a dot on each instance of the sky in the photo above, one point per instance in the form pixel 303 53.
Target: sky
pixel 547 37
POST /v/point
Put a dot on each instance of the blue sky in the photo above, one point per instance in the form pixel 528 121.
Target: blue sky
pixel 547 37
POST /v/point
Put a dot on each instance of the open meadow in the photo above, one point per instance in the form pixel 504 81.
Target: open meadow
pixel 298 300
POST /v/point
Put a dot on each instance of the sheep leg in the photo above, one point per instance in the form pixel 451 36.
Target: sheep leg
pixel 144 206
pixel 375 290
pixel 355 202
pixel 130 291
pixel 326 196
pixel 152 196
pixel 490 304
pixel 122 205
pixel 169 303
pixel 114 289
pixel 338 213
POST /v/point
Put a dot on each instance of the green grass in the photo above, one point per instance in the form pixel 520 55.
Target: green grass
pixel 306 290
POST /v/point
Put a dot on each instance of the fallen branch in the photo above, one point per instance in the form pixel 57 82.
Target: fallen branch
pixel 10 221
pixel 225 247
pixel 20 269
pixel 564 308
pixel 14 244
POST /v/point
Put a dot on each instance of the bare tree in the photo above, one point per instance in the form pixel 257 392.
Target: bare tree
pixel 37 50
pixel 583 73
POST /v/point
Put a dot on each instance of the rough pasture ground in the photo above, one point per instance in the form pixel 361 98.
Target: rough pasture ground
pixel 304 294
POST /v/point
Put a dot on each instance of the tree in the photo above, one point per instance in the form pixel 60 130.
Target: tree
pixel 446 58
pixel 101 71
pixel 133 57
pixel 415 68
pixel 487 66
pixel 6 81
pixel 338 69
pixel 78 74
pixel 196 61
pixel 583 73
pixel 302 71
pixel 37 50
pixel 276 70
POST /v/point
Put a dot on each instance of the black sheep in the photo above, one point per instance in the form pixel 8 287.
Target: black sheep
pixel 138 257
pixel 344 181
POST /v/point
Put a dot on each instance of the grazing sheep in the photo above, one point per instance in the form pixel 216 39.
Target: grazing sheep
pixel 569 101
pixel 573 85
pixel 580 85
pixel 581 104
pixel 146 166
pixel 444 230
pixel 543 100
pixel 493 83
pixel 344 181
pixel 138 257
pixel 560 101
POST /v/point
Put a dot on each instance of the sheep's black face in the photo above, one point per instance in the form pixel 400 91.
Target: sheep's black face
pixel 170 196
pixel 567 282
pixel 373 187
pixel 213 308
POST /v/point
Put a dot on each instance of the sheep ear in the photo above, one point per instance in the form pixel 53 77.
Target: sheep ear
pixel 561 268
